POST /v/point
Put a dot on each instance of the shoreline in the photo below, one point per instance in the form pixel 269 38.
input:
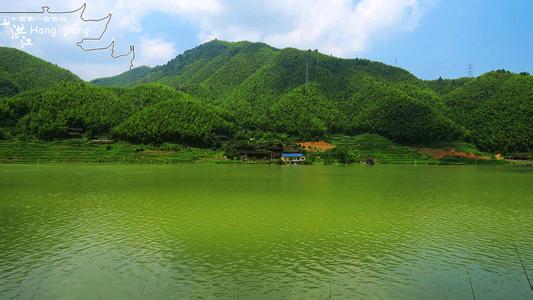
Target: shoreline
pixel 87 152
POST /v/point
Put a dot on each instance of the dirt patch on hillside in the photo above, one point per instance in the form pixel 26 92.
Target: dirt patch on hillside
pixel 155 153
pixel 321 146
pixel 443 153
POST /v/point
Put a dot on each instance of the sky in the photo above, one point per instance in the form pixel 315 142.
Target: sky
pixel 429 38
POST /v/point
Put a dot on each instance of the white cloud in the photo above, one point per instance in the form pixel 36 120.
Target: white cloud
pixel 90 71
pixel 128 14
pixel 154 51
pixel 339 27
pixel 150 51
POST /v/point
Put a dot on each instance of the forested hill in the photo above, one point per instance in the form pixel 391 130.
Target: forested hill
pixel 20 71
pixel 222 91
pixel 227 66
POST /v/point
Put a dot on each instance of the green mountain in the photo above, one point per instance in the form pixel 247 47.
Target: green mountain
pixel 496 109
pixel 124 79
pixel 263 87
pixel 20 71
pixel 227 67
pixel 245 91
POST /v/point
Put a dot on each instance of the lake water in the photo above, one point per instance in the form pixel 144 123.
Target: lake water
pixel 264 232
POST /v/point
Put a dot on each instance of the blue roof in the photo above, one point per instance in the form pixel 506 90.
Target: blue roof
pixel 292 155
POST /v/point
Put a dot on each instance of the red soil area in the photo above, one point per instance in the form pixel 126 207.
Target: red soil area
pixel 321 146
pixel 155 152
pixel 443 153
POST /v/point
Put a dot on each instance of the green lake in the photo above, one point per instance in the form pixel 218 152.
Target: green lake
pixel 265 232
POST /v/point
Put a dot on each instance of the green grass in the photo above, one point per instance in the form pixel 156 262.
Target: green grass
pixel 382 150
pixel 15 151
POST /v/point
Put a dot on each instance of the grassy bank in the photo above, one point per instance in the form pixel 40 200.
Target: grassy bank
pixel 14 151
pixel 351 150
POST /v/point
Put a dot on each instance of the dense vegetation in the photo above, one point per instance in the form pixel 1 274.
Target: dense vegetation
pixel 7 86
pixel 20 72
pixel 244 91
pixel 497 111
pixel 150 114
pixel 182 119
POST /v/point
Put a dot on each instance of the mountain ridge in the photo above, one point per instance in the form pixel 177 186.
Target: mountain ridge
pixel 200 55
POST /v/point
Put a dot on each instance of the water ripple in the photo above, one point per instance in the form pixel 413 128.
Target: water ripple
pixel 174 232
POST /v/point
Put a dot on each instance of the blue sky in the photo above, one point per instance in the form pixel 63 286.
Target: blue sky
pixel 429 38
pixel 488 34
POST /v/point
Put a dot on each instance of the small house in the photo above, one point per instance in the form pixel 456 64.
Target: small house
pixel 293 158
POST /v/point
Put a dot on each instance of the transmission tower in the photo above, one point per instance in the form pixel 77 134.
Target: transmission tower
pixel 470 70
pixel 307 72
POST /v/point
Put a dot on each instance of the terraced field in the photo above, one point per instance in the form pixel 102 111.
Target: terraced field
pixel 382 150
pixel 360 148
pixel 86 151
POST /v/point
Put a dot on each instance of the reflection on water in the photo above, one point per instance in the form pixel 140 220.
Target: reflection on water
pixel 253 232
